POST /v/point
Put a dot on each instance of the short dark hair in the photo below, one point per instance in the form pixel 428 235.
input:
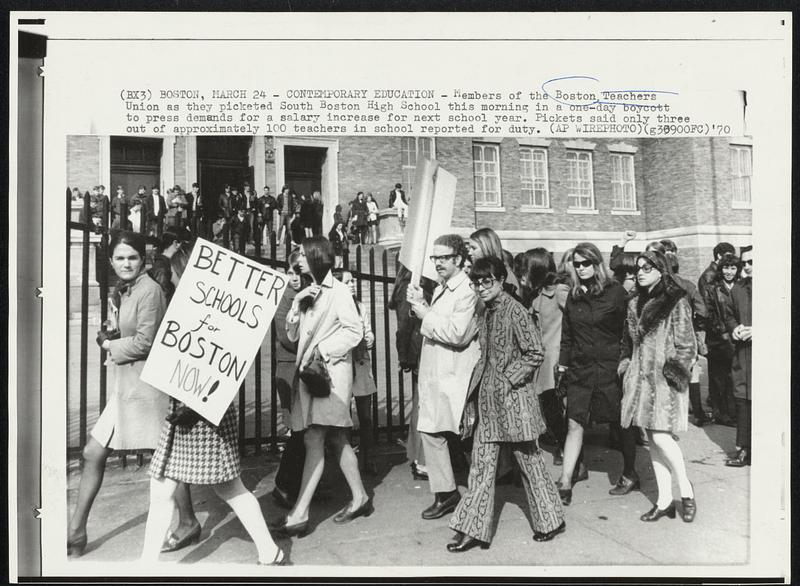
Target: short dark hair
pixel 489 266
pixel 723 248
pixel 398 186
pixel 455 243
pixel 669 245
pixel 743 249
pixel 132 239
pixel 319 256
pixel 195 184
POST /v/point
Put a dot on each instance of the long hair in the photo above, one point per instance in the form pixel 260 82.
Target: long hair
pixel 488 241
pixel 601 277
pixel 319 256
pixel 540 272
pixel 661 263
pixel 626 265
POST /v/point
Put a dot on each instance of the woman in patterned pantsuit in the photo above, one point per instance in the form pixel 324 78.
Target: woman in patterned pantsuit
pixel 508 414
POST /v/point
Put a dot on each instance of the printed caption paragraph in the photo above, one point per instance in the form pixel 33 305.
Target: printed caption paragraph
pixel 554 109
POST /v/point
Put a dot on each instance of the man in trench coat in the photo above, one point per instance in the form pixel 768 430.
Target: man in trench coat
pixel 449 353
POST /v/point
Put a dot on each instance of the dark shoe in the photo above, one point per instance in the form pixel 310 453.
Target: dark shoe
pixel 174 543
pixel 566 496
pixel 740 460
pixel 580 473
pixel 281 498
pixel 700 421
pixel 725 420
pixel 465 543
pixel 688 509
pixel 346 515
pixel 655 513
pixel 547 536
pixel 416 473
pixel 296 530
pixel 442 505
pixel 624 485
pixel 76 545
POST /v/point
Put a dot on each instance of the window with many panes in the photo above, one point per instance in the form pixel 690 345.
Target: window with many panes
pixel 580 189
pixel 486 171
pixel 533 170
pixel 623 184
pixel 741 172
pixel 413 149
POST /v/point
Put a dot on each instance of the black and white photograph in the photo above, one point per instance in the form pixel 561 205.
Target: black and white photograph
pixel 332 325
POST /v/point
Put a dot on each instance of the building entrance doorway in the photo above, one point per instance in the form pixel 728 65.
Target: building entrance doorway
pixel 303 168
pixel 220 161
pixel 134 162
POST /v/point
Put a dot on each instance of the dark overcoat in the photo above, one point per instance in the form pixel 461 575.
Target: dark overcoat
pixel 741 312
pixel 591 333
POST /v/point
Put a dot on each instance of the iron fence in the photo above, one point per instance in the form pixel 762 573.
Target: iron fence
pixel 259 423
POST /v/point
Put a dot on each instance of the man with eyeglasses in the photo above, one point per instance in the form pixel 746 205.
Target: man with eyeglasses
pixel 739 319
pixel 449 353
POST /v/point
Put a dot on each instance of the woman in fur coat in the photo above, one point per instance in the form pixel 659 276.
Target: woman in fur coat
pixel 658 349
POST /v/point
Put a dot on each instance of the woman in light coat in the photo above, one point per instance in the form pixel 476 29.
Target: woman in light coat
pixel 133 416
pixel 449 352
pixel 326 325
pixel 658 350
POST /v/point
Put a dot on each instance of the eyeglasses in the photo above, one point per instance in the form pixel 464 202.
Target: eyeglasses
pixel 442 257
pixel 485 282
pixel 581 263
pixel 748 262
pixel 645 268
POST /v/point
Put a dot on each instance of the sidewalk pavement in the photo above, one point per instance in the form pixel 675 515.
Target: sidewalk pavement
pixel 601 529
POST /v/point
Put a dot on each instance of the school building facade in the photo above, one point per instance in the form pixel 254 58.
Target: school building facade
pixel 550 192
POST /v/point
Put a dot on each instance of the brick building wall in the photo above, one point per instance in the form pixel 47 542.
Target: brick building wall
pixel 368 164
pixel 83 162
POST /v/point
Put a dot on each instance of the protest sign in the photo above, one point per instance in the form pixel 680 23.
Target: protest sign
pixel 429 216
pixel 214 326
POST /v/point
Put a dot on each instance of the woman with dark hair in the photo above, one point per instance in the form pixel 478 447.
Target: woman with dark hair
pixel 325 323
pixel 485 242
pixel 338 238
pixel 658 350
pixel 308 214
pixel 290 468
pixel 718 339
pixel 594 316
pixel 161 270
pixel 547 301
pixel 132 418
pixel 508 414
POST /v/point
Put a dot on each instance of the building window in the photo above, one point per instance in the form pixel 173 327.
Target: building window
pixel 741 172
pixel 533 165
pixel 623 184
pixel 411 150
pixel 486 169
pixel 580 190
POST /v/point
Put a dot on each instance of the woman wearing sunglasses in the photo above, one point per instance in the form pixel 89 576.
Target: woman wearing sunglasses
pixel 658 350
pixel 508 414
pixel 591 331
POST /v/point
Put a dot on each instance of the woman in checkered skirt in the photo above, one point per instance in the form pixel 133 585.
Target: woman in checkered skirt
pixel 193 451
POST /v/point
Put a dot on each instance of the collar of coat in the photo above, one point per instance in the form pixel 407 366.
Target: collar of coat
pixel 455 281
pixel 657 306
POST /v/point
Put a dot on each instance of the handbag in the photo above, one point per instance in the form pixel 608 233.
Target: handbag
pixel 316 377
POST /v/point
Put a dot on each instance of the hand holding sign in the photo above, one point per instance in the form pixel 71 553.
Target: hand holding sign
pixel 213 328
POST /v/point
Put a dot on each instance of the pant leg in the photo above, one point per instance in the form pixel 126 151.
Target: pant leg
pixel 543 500
pixel 474 514
pixel 743 422
pixel 437 462
pixel 290 470
pixel 627 444
pixel 414 449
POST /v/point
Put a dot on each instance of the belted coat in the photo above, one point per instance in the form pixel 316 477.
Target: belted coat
pixel 741 312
